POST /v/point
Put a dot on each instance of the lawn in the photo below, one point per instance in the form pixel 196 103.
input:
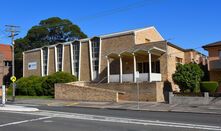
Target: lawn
pixel 31 97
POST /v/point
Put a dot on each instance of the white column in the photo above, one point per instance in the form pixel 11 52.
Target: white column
pixel 48 60
pixel 150 68
pixel 24 68
pixel 79 68
pixel 55 58
pixel 108 70
pixel 121 71
pixel 62 64
pixel 72 65
pixel 135 68
pixel 42 69
pixel 91 63
pixel 99 67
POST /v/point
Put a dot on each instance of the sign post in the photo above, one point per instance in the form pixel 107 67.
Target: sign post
pixel 13 79
pixel 3 95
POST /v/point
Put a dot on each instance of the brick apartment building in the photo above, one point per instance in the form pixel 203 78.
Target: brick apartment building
pixel 5 64
pixel 112 58
pixel 214 60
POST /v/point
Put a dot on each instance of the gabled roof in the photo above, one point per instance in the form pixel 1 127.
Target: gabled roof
pixel 218 43
pixel 6 51
pixel 124 33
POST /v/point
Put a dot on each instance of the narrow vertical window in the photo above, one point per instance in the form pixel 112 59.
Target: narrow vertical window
pixel 76 51
pixel 59 57
pixel 45 61
pixel 95 46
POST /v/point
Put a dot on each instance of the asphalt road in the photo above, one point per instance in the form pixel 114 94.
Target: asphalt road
pixel 88 119
pixel 211 119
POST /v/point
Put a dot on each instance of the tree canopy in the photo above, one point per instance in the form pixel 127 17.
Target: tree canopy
pixel 49 31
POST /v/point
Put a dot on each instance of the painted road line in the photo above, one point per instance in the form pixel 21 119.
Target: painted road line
pixel 72 104
pixel 24 121
pixel 123 120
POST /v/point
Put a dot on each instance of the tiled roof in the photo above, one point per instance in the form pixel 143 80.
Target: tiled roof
pixel 218 43
pixel 6 50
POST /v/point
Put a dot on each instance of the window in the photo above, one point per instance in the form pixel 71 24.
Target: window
pixel 8 63
pixel 59 57
pixel 45 61
pixel 220 54
pixel 95 47
pixel 157 66
pixel 143 67
pixel 76 51
pixel 179 60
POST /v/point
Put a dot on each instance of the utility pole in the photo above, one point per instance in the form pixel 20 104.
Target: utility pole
pixel 13 30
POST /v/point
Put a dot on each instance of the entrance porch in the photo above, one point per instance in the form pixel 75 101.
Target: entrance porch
pixel 137 65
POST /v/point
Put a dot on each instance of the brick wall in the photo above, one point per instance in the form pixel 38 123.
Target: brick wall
pixel 215 75
pixel 85 62
pixel 67 59
pixel 84 93
pixel 172 54
pixel 128 91
pixel 34 56
pixel 150 34
pixel 113 44
pixel 51 61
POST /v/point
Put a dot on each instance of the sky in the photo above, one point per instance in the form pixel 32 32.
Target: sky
pixel 186 23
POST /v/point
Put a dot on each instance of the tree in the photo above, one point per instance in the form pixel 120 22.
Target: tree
pixel 52 31
pixel 188 77
pixel 49 31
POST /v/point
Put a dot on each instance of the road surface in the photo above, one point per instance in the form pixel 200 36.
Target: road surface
pixel 89 119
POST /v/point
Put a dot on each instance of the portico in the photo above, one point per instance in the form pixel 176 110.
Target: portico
pixel 122 66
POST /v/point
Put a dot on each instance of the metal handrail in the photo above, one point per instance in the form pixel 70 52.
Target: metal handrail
pixel 101 80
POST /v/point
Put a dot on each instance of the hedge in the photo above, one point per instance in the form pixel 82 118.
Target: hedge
pixel 209 86
pixel 41 86
pixel 30 86
pixel 58 77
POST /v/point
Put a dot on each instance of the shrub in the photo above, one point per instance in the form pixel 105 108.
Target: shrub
pixel 9 91
pixel 29 86
pixel 188 77
pixel 35 85
pixel 209 86
pixel 58 77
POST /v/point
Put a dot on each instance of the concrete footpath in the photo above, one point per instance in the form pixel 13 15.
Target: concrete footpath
pixel 122 105
pixel 17 108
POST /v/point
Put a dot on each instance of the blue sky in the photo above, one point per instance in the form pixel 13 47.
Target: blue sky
pixel 187 23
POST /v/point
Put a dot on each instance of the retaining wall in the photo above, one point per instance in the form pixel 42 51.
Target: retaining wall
pixel 84 93
pixel 190 100
pixel 129 91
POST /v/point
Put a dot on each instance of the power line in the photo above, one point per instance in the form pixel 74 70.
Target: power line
pixel 115 10
pixel 100 14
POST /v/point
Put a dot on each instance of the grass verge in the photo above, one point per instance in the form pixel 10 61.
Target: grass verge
pixel 31 97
